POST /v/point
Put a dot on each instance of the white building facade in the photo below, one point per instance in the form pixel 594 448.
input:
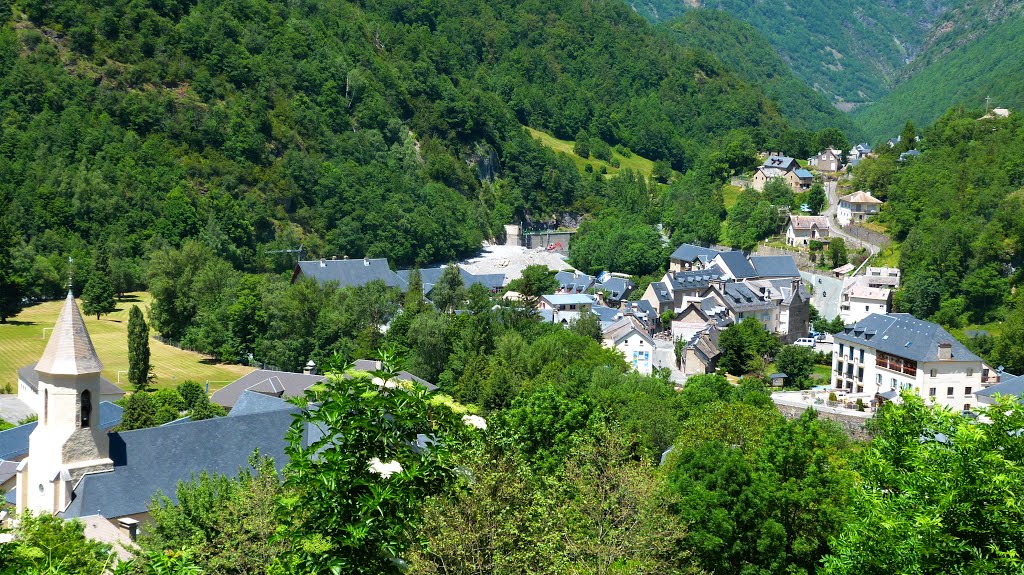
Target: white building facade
pixel 898 352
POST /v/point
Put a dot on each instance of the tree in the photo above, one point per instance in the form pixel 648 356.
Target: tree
pixel 662 171
pixel 816 198
pixel 535 281
pixel 745 346
pixel 797 362
pixel 10 280
pixel 937 494
pixel 140 412
pixel 355 494
pixel 449 292
pixel 582 145
pixel 837 255
pixel 588 325
pixel 778 192
pixel 98 295
pixel 139 369
pixel 414 295
pixel 46 544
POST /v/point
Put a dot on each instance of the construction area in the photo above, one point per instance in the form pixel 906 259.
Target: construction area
pixel 511 260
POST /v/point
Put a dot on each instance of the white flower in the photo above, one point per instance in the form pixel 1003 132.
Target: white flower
pixel 475 421
pixel 385 470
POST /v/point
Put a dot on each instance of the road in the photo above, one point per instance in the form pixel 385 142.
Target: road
pixel 827 293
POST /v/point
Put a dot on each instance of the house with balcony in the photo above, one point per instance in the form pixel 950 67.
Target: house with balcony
pixel 856 208
pixel 888 354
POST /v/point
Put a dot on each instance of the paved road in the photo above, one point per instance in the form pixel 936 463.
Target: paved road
pixel 836 230
pixel 827 292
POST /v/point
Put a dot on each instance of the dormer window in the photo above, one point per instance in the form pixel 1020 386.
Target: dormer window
pixel 86 408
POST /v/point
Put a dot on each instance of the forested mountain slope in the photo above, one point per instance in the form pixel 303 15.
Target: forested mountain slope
pixel 972 55
pixel 851 51
pixel 352 128
pixel 958 211
pixel 746 51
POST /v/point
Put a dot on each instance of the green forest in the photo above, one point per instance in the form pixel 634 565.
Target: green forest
pixel 847 50
pixel 957 211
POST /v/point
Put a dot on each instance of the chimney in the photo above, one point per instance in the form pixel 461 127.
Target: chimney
pixel 310 368
pixel 131 526
pixel 945 351
pixel 333 258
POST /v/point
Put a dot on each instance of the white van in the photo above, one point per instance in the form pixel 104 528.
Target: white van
pixel 805 342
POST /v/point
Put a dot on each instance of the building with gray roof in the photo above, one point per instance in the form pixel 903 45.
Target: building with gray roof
pixel 573 281
pixel 897 352
pixel 1013 385
pixel 774 267
pixel 349 273
pixel 735 265
pixel 430 276
pixel 690 256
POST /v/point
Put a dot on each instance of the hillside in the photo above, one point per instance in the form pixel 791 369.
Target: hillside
pixel 961 67
pixel 850 51
pixel 353 129
pixel 747 52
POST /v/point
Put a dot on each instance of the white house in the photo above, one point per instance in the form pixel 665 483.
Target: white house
pixel 895 352
pixel 857 207
pixel 565 307
pixel 629 337
pixel 859 301
pixel 858 152
pixel 802 229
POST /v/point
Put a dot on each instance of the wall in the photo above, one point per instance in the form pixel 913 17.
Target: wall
pixel 853 425
pixel 542 240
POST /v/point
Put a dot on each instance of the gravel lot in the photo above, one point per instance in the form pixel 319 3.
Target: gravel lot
pixel 511 260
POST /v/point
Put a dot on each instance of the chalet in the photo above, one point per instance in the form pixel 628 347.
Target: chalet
pixel 785 168
pixel 804 229
pixel 857 207
pixel 829 160
pixel 632 340
pixel 887 354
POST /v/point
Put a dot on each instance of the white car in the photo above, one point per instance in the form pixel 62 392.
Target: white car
pixel 805 342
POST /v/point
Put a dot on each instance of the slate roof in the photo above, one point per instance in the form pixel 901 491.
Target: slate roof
pixel 625 327
pixel 14 441
pixel 641 307
pixel 909 154
pixel 348 273
pixel 578 282
pixel 774 266
pixel 739 297
pixel 267 382
pixel 30 376
pixel 737 264
pixel 780 162
pixel 1012 386
pixel 661 292
pixel 904 335
pixel 694 279
pixel 8 469
pixel 69 350
pixel 617 288
pixel 430 276
pixel 606 314
pixel 156 459
pixel 803 174
pixel 690 253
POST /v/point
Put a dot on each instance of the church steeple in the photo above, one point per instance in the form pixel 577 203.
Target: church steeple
pixel 65 445
pixel 70 350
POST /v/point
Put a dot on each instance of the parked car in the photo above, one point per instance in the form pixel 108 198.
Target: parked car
pixel 805 342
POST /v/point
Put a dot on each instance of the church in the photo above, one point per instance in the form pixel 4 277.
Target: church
pixel 76 468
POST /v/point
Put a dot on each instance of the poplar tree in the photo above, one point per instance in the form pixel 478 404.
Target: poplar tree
pixel 138 349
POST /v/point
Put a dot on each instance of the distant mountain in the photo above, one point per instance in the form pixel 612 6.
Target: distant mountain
pixel 748 53
pixel 851 51
pixel 973 54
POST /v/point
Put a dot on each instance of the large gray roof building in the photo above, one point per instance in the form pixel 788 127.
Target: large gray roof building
pixel 904 335
pixel 349 273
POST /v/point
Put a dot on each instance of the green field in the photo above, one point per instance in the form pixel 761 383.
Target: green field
pixel 730 194
pixel 635 163
pixel 22 342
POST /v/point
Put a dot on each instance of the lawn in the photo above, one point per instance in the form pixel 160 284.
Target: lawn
pixel 22 342
pixel 730 194
pixel 635 163
pixel 889 257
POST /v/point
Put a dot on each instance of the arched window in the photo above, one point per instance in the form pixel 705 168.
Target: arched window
pixel 86 407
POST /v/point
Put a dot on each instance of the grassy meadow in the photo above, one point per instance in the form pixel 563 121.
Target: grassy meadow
pixel 635 163
pixel 22 341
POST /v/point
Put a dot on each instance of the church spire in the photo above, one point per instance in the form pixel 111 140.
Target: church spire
pixel 70 350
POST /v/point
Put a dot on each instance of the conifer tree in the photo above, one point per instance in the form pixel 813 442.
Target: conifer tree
pixel 10 284
pixel 138 349
pixel 98 296
pixel 414 295
pixel 449 291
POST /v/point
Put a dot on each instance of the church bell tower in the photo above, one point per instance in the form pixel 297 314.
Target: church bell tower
pixel 67 442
